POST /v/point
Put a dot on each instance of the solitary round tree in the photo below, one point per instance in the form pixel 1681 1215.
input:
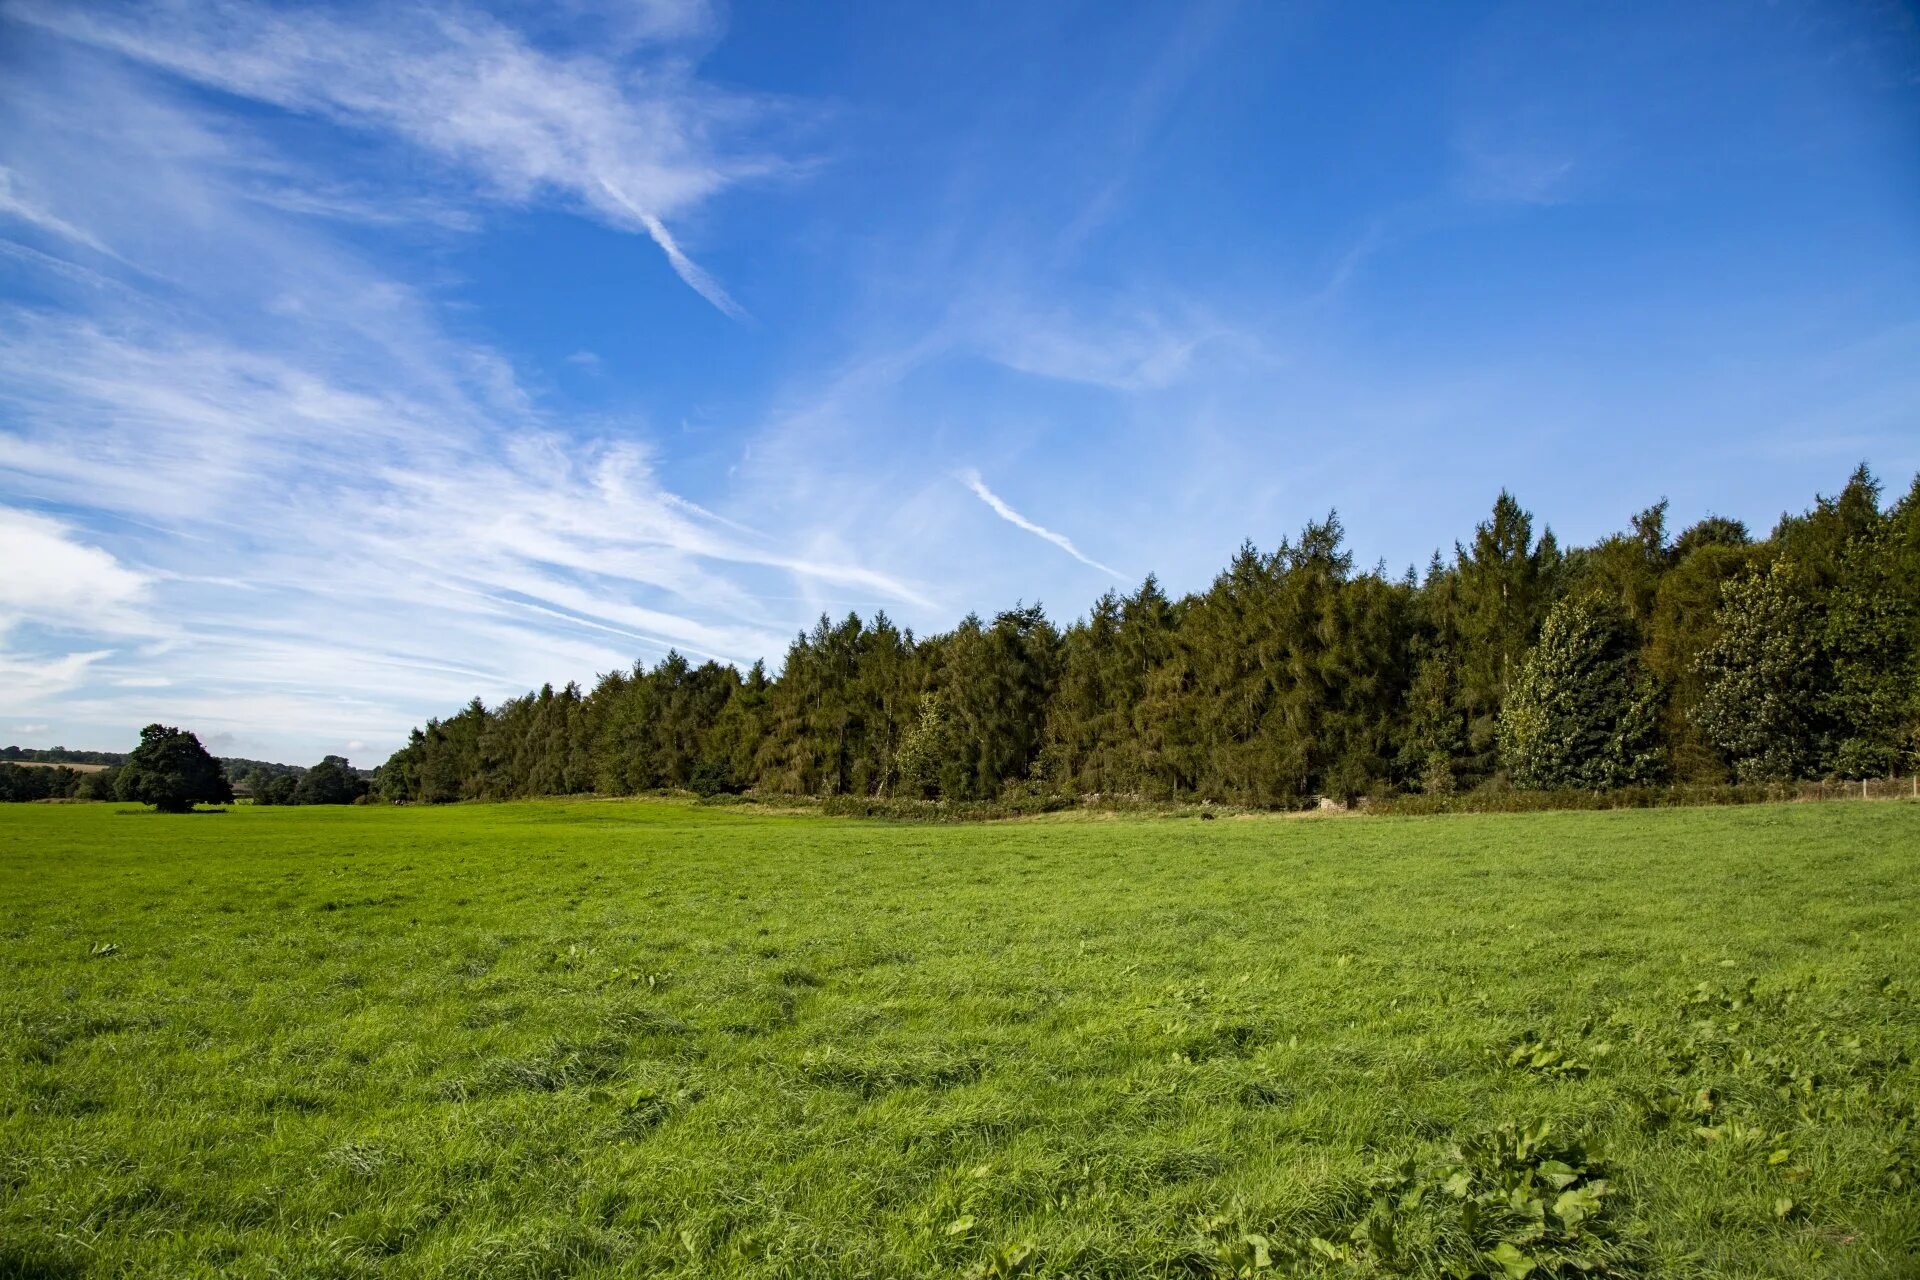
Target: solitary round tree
pixel 171 771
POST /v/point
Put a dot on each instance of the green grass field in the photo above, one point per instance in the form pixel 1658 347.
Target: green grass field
pixel 605 1038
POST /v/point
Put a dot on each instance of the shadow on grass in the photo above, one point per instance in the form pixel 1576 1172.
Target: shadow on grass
pixel 156 813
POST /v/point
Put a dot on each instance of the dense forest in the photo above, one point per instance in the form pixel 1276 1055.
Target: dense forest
pixel 1649 658
pixel 1703 657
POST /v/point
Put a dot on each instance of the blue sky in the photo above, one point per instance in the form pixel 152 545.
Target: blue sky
pixel 358 360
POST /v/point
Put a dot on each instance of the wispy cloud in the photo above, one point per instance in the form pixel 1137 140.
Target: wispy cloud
pixel 1132 351
pixel 449 506
pixel 634 141
pixel 13 204
pixel 973 481
pixel 347 515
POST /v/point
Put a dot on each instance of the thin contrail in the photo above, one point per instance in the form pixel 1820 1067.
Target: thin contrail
pixel 974 482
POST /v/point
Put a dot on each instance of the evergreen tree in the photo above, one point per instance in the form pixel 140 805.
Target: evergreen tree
pixel 1683 624
pixel 1580 713
pixel 1505 585
pixel 1870 634
pixel 1764 685
pixel 1433 739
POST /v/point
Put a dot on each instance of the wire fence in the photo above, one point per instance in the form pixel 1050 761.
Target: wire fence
pixel 1501 799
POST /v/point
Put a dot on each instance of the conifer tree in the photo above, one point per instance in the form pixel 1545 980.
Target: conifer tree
pixel 1764 683
pixel 1580 713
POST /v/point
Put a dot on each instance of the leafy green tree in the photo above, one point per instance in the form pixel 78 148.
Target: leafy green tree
pixel 98 785
pixel 1581 713
pixel 1870 634
pixel 925 751
pixel 1763 677
pixel 171 771
pixel 332 781
pixel 20 783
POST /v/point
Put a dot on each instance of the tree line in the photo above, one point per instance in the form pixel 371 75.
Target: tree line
pixel 191 775
pixel 1649 657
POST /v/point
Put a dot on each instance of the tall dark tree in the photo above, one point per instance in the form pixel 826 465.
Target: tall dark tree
pixel 1870 634
pixel 1685 621
pixel 1506 584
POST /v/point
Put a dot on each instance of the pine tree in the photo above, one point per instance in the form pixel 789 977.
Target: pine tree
pixel 1506 583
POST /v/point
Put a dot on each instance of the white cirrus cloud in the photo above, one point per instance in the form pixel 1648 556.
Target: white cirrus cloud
pixel 292 500
pixel 15 204
pixel 635 140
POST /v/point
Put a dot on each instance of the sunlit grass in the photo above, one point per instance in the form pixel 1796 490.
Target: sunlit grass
pixel 600 1038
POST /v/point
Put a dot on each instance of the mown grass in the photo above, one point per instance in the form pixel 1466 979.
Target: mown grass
pixel 601 1038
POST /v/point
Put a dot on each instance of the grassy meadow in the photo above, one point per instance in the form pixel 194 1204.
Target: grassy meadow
pixel 642 1038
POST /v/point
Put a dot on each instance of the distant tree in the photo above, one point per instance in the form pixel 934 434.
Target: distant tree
pixel 279 789
pixel 1714 531
pixel 332 781
pixel 712 777
pixel 1433 732
pixel 171 771
pixel 22 783
pixel 98 785
pixel 1580 713
pixel 1626 568
pixel 1870 635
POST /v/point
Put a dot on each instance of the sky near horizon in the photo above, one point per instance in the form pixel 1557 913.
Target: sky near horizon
pixel 359 360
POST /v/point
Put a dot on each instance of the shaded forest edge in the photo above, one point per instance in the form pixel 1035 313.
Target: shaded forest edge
pixel 1650 667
